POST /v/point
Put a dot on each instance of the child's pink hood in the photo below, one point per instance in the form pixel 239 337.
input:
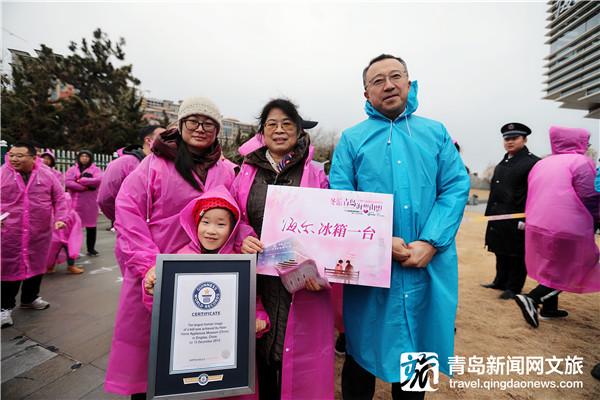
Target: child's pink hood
pixel 186 218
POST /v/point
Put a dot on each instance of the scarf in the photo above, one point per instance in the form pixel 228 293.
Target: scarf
pixel 166 146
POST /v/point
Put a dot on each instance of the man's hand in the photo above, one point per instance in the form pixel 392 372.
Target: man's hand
pixel 421 254
pixel 150 280
pixel 252 245
pixel 400 252
pixel 59 225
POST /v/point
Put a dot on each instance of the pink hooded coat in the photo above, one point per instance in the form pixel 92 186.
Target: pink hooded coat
pixel 186 218
pixel 113 178
pixel 70 236
pixel 84 192
pixel 308 360
pixel 147 224
pixel 27 231
pixel 59 175
pixel 560 251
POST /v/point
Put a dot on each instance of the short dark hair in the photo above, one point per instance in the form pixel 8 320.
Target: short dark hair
pixel 30 147
pixel 147 131
pixel 284 105
pixel 381 57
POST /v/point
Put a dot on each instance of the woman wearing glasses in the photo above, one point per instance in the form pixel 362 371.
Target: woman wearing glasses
pixel 290 363
pixel 185 162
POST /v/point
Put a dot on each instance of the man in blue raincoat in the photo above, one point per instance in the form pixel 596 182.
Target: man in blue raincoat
pixel 414 158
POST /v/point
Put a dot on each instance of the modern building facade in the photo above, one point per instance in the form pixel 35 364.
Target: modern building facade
pixel 232 128
pixel 155 109
pixel 573 66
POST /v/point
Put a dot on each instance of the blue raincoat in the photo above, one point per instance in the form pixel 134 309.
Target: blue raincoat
pixel 413 158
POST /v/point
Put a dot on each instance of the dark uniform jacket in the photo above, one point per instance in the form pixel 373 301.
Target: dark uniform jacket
pixel 508 193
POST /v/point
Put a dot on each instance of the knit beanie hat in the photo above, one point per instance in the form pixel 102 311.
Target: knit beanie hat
pixel 199 105
pixel 203 205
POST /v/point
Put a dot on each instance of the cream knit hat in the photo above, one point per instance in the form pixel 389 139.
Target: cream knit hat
pixel 199 105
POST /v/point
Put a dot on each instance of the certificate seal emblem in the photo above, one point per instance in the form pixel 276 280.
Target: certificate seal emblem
pixel 202 379
pixel 206 295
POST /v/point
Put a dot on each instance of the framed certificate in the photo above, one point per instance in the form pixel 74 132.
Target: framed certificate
pixel 203 326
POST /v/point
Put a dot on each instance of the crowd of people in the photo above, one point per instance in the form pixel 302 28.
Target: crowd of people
pixel 176 193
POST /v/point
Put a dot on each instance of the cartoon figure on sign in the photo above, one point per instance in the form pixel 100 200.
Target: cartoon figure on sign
pixel 339 267
pixel 349 268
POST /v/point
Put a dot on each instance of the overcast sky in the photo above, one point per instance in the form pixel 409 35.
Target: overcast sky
pixel 479 65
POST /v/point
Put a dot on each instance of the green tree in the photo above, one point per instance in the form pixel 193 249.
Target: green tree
pixel 26 112
pixel 103 112
pixel 165 121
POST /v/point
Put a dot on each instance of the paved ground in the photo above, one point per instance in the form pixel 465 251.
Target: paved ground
pixel 62 352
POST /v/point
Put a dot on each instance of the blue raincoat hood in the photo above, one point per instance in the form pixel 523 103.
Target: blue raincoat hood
pixel 412 103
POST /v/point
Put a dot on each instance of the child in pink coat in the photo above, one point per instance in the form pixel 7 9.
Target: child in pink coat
pixel 212 222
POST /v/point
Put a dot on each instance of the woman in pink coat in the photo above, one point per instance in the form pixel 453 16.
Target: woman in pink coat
pixel 31 197
pixel 561 212
pixel 82 181
pixel 49 160
pixel 181 167
pixel 295 358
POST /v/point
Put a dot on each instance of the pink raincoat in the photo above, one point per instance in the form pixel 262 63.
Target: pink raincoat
pixel 147 224
pixel 308 360
pixel 186 219
pixel 59 175
pixel 71 237
pixel 560 251
pixel 84 192
pixel 113 178
pixel 27 231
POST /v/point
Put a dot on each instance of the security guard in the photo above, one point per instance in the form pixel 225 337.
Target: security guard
pixel 508 193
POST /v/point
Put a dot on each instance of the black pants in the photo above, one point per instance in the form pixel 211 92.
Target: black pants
pixel 138 396
pixel 269 378
pixel 29 292
pixel 90 239
pixel 70 261
pixel 545 296
pixel 359 384
pixel 510 272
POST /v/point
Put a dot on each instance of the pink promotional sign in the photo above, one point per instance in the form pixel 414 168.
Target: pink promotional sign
pixel 348 235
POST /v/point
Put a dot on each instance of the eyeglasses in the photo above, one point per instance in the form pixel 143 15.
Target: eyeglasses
pixel 379 80
pixel 207 126
pixel 19 156
pixel 286 125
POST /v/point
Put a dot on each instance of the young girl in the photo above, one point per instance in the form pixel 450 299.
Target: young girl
pixel 66 243
pixel 212 223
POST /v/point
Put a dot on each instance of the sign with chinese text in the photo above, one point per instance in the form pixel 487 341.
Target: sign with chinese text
pixel 348 234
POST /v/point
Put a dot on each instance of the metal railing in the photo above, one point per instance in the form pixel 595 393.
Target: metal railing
pixel 66 158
